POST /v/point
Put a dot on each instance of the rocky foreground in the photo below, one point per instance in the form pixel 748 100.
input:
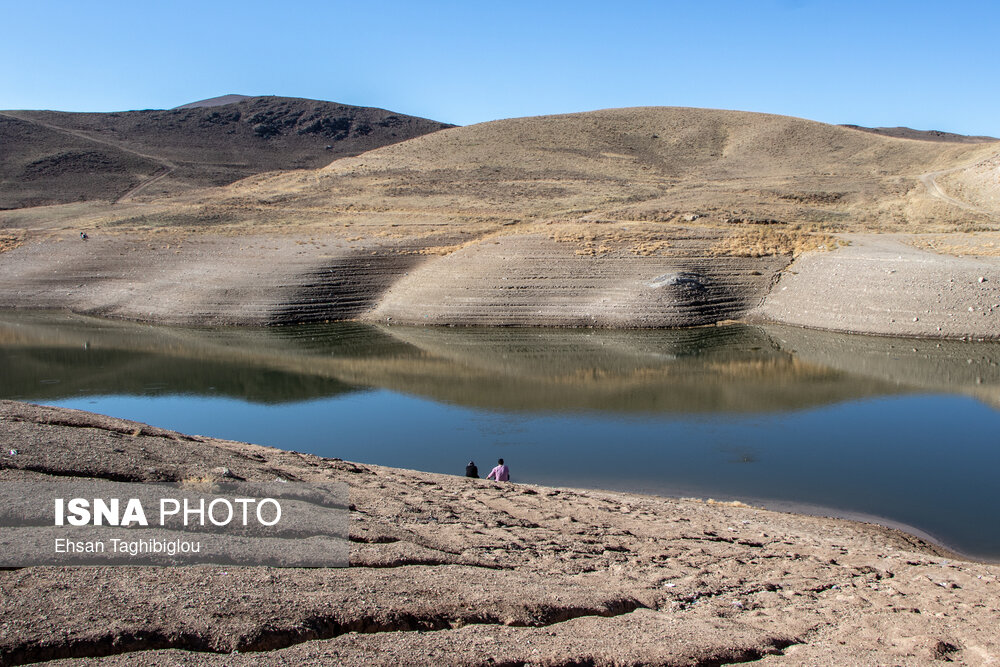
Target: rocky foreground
pixel 447 570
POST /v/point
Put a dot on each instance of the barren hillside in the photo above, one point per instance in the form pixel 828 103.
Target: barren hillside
pixel 656 165
pixel 53 157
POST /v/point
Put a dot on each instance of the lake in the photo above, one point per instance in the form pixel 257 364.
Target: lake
pixel 904 432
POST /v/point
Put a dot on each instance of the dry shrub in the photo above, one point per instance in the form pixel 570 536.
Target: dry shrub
pixel 649 248
pixel 766 242
pixel 9 241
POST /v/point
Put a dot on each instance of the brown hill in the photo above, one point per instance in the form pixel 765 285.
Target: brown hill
pixel 924 135
pixel 639 171
pixel 53 157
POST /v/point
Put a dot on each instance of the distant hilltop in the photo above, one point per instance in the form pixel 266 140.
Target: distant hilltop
pixel 53 157
pixel 220 101
pixel 922 135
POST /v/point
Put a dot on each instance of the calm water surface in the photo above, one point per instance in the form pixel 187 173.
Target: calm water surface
pixel 897 430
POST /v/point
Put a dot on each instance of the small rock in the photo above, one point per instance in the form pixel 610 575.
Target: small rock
pixel 13 452
pixel 222 472
pixel 982 279
pixel 679 279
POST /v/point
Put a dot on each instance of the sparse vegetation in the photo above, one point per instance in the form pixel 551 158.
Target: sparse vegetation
pixel 596 239
pixel 11 239
pixel 961 245
pixel 766 242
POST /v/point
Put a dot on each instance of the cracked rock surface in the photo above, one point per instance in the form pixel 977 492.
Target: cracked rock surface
pixel 448 570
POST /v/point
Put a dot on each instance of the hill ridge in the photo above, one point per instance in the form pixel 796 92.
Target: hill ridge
pixel 199 146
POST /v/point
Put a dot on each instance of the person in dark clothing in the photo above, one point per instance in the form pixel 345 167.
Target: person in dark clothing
pixel 471 470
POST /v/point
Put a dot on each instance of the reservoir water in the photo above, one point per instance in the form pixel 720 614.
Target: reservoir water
pixel 904 432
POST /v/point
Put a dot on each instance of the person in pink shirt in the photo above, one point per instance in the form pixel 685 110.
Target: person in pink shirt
pixel 501 473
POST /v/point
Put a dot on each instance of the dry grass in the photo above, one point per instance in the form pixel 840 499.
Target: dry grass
pixel 766 242
pixel 11 239
pixel 600 238
pixel 981 244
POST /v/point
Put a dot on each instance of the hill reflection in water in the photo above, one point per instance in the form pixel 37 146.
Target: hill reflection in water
pixel 902 430
pixel 731 369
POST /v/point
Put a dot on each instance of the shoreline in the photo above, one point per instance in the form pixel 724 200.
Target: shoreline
pixel 600 577
pixel 805 509
pixel 879 284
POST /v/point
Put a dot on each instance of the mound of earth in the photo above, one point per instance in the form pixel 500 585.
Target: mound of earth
pixel 53 157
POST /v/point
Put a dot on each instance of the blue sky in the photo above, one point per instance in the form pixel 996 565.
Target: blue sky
pixel 922 64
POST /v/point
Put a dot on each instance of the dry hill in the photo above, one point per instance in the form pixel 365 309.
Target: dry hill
pixel 643 217
pixel 731 169
pixel 53 157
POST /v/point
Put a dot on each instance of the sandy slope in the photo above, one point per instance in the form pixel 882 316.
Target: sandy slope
pixel 882 285
pixel 457 571
pixel 199 279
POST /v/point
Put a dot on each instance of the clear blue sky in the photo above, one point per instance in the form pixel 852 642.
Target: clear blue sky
pixel 922 64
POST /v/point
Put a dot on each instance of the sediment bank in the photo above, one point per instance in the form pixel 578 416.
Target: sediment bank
pixel 876 284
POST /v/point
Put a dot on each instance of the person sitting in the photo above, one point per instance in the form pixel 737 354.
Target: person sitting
pixel 471 470
pixel 501 473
